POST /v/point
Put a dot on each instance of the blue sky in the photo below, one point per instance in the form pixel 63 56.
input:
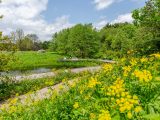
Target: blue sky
pixel 45 17
pixel 84 11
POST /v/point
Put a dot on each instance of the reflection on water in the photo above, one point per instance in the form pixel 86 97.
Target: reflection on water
pixel 18 72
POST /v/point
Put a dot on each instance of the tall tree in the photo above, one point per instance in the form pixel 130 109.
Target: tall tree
pixel 19 38
pixel 149 18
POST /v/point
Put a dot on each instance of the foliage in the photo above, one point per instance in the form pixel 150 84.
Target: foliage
pixel 128 89
pixel 143 36
pixel 79 41
pixel 5 57
pixel 149 18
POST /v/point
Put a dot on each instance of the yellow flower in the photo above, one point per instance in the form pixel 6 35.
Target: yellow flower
pixel 76 105
pixel 107 67
pixel 129 115
pixel 123 59
pixel 50 83
pixel 144 75
pixel 157 55
pixel 126 69
pixel 92 116
pixel 144 60
pixel 128 96
pixel 118 101
pixel 135 97
pixel 138 109
pixel 112 99
pixel 93 82
pixel 133 62
pixel 129 107
pixel 17 94
pixel 13 101
pixel 81 91
pixel 123 94
pixel 104 115
pixel 122 109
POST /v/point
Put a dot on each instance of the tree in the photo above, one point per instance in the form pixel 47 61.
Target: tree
pixel 19 38
pixel 45 45
pixel 26 44
pixel 36 44
pixel 79 41
pixel 61 41
pixel 5 46
pixel 84 41
pixel 148 17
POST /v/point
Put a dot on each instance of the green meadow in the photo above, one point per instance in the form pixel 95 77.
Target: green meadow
pixel 29 60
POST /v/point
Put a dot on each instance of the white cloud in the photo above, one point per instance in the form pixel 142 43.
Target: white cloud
pixel 120 19
pixel 99 25
pixel 26 14
pixel 123 18
pixel 102 4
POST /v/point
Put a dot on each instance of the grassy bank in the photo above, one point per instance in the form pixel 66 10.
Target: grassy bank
pixel 33 60
pixel 11 89
pixel 122 91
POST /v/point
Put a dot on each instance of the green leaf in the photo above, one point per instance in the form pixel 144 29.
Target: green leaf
pixel 152 117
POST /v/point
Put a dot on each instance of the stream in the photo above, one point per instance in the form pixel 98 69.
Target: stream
pixel 26 72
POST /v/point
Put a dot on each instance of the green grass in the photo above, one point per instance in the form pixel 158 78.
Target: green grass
pixel 32 60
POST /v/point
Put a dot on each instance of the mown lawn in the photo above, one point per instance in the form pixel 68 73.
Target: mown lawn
pixel 32 60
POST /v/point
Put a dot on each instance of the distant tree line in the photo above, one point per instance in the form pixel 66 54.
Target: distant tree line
pixel 114 40
pixel 27 42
